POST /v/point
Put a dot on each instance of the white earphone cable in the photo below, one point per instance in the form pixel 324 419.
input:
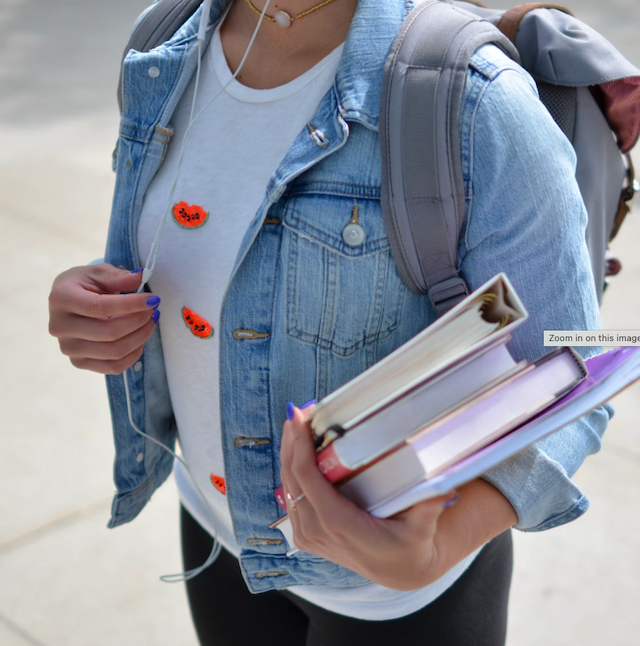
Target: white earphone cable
pixel 151 262
pixel 153 252
pixel 215 550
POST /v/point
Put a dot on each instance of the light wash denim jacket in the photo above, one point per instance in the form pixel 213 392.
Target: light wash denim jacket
pixel 305 311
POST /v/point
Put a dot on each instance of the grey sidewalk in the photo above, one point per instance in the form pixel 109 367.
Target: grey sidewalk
pixel 65 580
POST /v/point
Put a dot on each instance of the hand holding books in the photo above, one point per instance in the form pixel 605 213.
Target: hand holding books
pixel 399 553
pixel 451 403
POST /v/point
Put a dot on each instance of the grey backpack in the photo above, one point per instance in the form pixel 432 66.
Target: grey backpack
pixel 590 89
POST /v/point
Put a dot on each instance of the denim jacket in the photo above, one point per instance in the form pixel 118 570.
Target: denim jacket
pixel 307 309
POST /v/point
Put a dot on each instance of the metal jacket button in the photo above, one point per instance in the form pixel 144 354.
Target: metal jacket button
pixel 250 442
pixel 353 235
pixel 321 140
pixel 263 541
pixel 264 575
pixel 249 334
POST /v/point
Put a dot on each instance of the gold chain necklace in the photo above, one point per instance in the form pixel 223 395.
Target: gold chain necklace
pixel 282 18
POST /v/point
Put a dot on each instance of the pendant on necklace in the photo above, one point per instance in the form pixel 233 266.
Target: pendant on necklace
pixel 282 19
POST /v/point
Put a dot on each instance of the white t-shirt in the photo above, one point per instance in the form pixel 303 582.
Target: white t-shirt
pixel 233 150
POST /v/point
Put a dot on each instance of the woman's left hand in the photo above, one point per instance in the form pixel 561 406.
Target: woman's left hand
pixel 399 552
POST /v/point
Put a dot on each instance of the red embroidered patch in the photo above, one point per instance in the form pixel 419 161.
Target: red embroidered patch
pixel 198 326
pixel 219 484
pixel 189 216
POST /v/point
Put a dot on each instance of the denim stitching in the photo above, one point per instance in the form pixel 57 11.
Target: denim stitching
pixel 326 300
pixel 575 511
pixel 332 282
pixel 312 182
pixel 468 136
pixel 292 284
pixel 321 187
pixel 375 322
pixel 377 310
pixel 275 476
pixel 326 339
pixel 339 246
pixel 117 516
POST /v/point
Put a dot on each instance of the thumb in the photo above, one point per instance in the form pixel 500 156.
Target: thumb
pixel 113 280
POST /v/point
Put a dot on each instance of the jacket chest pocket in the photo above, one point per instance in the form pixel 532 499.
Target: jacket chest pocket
pixel 343 289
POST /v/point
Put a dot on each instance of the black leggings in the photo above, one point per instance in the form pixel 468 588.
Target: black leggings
pixel 472 612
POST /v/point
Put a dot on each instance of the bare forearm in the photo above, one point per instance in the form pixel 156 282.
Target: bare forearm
pixel 482 513
pixel 409 551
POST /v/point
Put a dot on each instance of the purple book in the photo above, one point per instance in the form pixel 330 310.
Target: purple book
pixel 609 373
pixel 599 368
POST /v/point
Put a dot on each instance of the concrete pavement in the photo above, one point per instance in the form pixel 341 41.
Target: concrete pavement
pixel 67 581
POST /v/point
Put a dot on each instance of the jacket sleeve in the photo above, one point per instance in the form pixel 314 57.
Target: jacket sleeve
pixel 525 217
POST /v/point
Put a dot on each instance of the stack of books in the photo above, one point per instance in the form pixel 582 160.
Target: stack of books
pixel 451 403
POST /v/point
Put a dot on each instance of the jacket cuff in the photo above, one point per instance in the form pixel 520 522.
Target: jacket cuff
pixel 539 490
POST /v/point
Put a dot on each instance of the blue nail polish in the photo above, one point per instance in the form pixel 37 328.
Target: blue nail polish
pixel 138 270
pixel 153 301
pixel 156 316
pixel 289 411
pixel 452 502
pixel 311 402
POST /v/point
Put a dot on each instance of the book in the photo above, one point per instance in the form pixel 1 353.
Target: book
pixel 427 402
pixel 608 374
pixel 471 426
pixel 492 311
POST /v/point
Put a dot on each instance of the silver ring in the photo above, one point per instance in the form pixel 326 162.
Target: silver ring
pixel 291 501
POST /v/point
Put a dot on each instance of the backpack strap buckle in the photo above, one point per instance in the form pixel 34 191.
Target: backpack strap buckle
pixel 448 293
pixel 626 198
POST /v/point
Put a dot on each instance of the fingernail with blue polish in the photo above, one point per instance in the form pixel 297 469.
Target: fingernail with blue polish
pixel 156 316
pixel 138 270
pixel 290 411
pixel 311 402
pixel 153 301
pixel 452 502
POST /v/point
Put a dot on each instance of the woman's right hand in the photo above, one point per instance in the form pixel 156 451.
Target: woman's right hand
pixel 97 326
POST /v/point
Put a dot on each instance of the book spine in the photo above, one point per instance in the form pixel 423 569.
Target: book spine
pixel 279 496
pixel 331 466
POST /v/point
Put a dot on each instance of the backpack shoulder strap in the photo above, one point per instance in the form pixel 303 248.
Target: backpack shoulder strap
pixel 160 22
pixel 422 185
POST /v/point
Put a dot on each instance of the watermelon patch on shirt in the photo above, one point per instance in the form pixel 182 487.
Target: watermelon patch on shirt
pixel 189 216
pixel 199 326
pixel 218 483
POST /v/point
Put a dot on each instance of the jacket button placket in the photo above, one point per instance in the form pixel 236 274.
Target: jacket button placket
pixel 245 396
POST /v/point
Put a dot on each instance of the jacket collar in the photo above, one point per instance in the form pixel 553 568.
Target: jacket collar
pixel 359 77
